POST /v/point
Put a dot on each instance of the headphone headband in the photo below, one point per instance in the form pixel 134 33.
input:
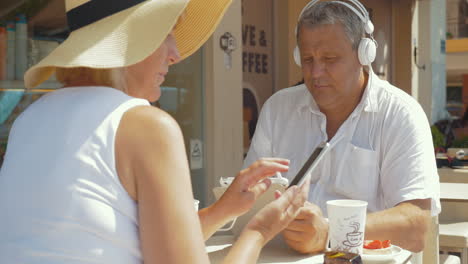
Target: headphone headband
pixel 363 14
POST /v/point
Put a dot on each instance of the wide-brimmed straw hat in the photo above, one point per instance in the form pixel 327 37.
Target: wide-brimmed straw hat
pixel 116 33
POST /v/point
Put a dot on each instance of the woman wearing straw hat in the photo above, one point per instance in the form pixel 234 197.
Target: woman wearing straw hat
pixel 94 174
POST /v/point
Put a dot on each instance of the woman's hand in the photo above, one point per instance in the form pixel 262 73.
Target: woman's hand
pixel 249 184
pixel 277 215
pixel 268 222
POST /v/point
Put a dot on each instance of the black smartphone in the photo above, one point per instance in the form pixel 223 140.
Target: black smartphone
pixel 310 164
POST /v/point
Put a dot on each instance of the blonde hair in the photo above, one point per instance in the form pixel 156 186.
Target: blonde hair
pixel 112 77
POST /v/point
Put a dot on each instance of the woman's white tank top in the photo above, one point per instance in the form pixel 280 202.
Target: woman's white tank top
pixel 61 200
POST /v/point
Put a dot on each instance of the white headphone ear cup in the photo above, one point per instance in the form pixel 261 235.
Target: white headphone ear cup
pixel 297 56
pixel 366 51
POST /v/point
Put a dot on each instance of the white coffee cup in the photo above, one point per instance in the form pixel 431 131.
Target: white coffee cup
pixel 347 223
pixel 196 203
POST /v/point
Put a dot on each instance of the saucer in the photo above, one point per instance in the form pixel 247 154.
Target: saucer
pixel 381 258
pixel 346 243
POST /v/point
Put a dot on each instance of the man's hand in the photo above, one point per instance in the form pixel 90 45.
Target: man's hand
pixel 308 232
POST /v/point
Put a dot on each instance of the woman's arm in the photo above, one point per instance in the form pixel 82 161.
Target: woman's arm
pixel 152 163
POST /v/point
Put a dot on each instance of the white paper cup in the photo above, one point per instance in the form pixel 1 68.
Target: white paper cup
pixel 196 203
pixel 347 222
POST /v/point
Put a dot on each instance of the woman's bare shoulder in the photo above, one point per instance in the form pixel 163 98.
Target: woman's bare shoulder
pixel 144 129
pixel 150 115
pixel 149 121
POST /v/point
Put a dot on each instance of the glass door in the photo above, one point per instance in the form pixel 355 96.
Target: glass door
pixel 182 96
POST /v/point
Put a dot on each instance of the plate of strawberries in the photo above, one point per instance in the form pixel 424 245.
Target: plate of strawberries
pixel 379 251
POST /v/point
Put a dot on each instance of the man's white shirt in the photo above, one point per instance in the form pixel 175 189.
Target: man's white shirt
pixel 382 153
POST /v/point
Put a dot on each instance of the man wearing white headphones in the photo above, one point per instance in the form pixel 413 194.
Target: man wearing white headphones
pixel 380 141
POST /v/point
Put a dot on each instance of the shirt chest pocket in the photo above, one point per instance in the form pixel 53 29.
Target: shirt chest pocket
pixel 357 174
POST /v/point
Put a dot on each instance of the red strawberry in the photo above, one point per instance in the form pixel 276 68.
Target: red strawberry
pixel 386 244
pixel 372 244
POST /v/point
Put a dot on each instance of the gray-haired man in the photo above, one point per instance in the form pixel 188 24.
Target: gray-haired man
pixel 381 145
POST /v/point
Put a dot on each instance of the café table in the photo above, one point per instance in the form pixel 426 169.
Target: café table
pixel 453 175
pixel 454 201
pixel 453 228
pixel 454 192
pixel 277 252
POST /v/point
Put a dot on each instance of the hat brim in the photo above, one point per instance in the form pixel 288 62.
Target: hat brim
pixel 131 35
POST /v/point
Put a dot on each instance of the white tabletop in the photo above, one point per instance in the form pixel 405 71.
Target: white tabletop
pixel 277 252
pixel 453 175
pixel 453 192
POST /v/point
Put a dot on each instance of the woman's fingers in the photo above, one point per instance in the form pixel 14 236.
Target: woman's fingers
pixel 303 193
pixel 277 194
pixel 295 206
pixel 286 200
pixel 261 169
pixel 298 200
pixel 261 187
pixel 277 160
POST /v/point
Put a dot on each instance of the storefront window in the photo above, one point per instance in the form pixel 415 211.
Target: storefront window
pixel 182 97
pixel 29 31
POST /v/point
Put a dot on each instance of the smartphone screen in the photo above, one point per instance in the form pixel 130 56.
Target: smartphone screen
pixel 310 164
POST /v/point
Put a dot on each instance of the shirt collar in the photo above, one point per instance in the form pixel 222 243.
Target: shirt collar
pixel 370 93
pixel 307 102
pixel 368 101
